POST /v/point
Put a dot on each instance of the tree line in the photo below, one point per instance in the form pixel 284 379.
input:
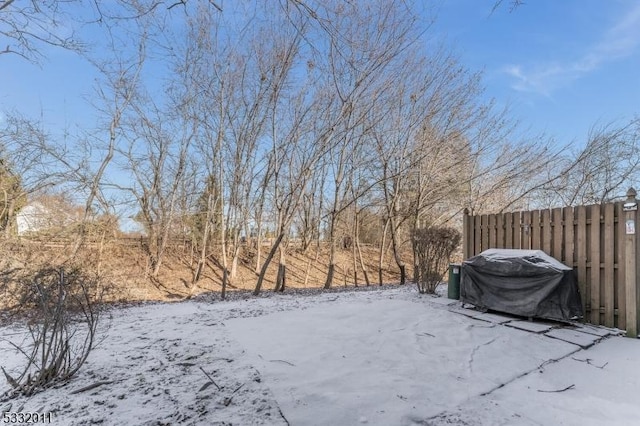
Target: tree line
pixel 312 123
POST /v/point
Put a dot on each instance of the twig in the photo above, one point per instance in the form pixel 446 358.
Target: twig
pixel 283 417
pixel 92 386
pixel 559 390
pixel 210 378
pixel 227 400
pixel 223 359
pixel 589 362
pixel 283 361
pixel 237 389
pixel 205 386
pixel 182 2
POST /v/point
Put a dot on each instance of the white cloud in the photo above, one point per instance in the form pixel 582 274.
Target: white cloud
pixel 621 40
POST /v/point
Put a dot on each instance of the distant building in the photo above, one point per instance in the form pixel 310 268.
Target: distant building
pixel 49 213
pixel 32 218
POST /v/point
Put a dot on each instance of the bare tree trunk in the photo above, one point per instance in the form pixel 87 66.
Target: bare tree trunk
pixel 280 278
pixel 330 272
pixel 332 262
pixel 396 252
pixel 354 256
pixel 203 250
pixel 223 216
pixel 225 278
pixel 260 212
pixel 357 248
pixel 282 272
pixel 382 251
pixel 267 262
pixel 10 212
pixel 258 243
pixel 234 262
pixel 332 247
pixel 363 265
pixel 310 263
pixel 225 269
pixel 354 251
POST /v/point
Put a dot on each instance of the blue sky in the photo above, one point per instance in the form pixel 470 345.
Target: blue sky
pixel 561 66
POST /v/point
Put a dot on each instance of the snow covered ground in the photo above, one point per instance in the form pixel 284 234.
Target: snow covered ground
pixel 377 357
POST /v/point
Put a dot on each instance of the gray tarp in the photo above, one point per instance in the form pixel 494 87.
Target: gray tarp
pixel 521 282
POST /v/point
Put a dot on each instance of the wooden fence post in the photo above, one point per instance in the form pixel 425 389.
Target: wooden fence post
pixel 630 282
pixel 467 239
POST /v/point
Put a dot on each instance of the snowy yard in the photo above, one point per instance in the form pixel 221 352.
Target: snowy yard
pixel 377 357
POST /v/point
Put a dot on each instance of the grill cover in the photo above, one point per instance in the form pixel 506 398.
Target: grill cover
pixel 529 283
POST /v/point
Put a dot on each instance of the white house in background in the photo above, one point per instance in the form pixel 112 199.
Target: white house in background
pixel 32 218
pixel 38 216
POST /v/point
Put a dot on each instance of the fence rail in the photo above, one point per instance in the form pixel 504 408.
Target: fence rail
pixel 599 241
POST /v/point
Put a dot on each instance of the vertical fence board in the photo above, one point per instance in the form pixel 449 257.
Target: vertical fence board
pixel 594 258
pixel 484 243
pixel 508 230
pixel 558 230
pixel 609 273
pixel 517 230
pixel 525 231
pixel 535 230
pixel 501 243
pixel 493 229
pixel 569 255
pixel 467 235
pixel 581 254
pixel 477 241
pixel 621 303
pixel 546 232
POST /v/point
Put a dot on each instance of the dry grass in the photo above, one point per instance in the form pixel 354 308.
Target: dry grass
pixel 124 267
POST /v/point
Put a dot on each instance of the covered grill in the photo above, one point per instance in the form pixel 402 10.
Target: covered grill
pixel 529 283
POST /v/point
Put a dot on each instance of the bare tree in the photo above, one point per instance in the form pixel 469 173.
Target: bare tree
pixel 63 311
pixel 295 157
pixel 30 164
pixel 239 84
pixel 207 224
pixel 157 157
pixel 596 173
pixel 29 26
pixel 363 42
pixel 115 92
pixel 157 137
pixel 319 121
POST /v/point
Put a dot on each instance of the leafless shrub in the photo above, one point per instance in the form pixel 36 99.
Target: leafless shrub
pixel 433 247
pixel 61 309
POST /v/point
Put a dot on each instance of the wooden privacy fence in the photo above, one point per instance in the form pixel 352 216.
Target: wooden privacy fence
pixel 599 241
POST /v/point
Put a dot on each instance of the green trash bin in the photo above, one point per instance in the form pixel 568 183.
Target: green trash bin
pixel 454 281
